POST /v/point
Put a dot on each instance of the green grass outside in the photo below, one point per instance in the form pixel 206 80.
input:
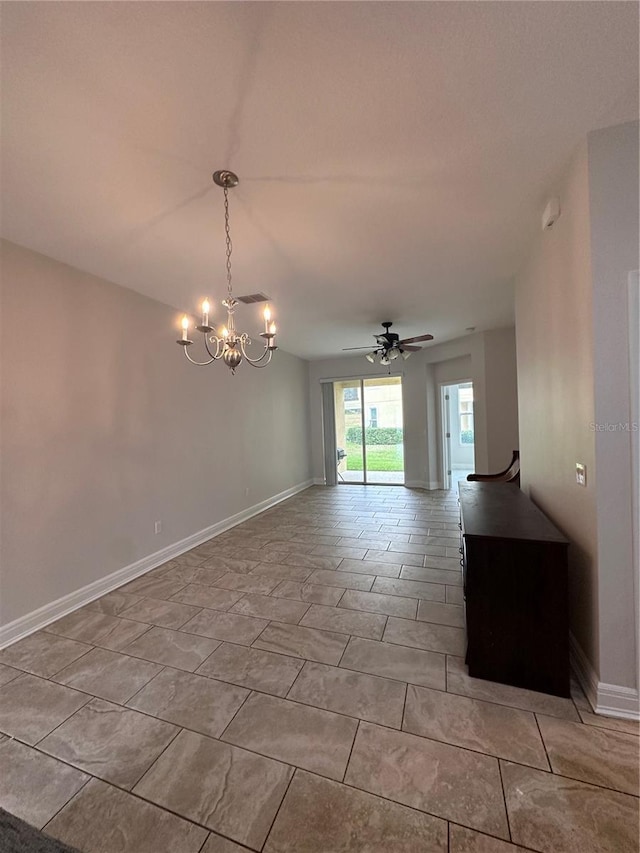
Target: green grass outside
pixel 380 457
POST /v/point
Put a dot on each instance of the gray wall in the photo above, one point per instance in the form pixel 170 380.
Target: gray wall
pixel 572 332
pixel 613 200
pixel 461 360
pixel 106 428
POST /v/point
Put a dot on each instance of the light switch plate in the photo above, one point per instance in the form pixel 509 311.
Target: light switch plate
pixel 581 474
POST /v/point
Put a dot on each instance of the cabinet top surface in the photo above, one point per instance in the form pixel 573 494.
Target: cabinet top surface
pixel 503 511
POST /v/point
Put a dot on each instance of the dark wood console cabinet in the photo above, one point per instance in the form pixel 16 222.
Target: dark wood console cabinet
pixel 515 588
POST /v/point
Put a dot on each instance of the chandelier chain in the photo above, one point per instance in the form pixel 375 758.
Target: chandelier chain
pixel 228 238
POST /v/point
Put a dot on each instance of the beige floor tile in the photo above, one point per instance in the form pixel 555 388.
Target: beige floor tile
pixel 425 635
pixel 268 607
pixel 447 541
pixel 473 724
pixel 247 583
pixel 306 737
pixel 592 755
pixel 226 626
pixel 441 614
pixel 43 653
pixel 314 539
pixel 99 629
pixel 350 552
pixel 254 555
pixel 109 675
pixel 34 786
pixel 403 558
pixel 443 780
pixel 309 643
pixel 550 813
pixel 414 666
pixel 419 548
pixel 230 564
pixel 405 526
pixel 346 580
pixel 193 574
pixel 369 567
pixel 191 701
pixel 369 541
pixel 462 840
pixel 450 564
pixel 370 625
pixel 103 819
pixel 312 561
pixel 172 648
pixel 113 603
pixel 110 742
pixel 252 668
pixel 367 697
pixel 190 558
pixel 31 707
pixel 376 602
pixel 8 673
pixel 153 587
pixel 166 614
pixel 393 531
pixel 410 589
pixel 161 570
pixel 458 681
pixel 454 595
pixel 234 792
pixel 311 592
pixel 207 596
pixel 338 819
pixel 431 575
pixel 218 844
pixel 282 571
pixel 614 724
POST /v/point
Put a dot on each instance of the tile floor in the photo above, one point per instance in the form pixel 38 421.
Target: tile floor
pixel 297 685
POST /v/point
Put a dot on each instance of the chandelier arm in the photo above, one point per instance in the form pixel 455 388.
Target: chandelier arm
pixel 218 353
pixel 260 358
pixel 255 362
pixel 199 363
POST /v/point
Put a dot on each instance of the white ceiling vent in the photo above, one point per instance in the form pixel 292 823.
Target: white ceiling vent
pixel 254 297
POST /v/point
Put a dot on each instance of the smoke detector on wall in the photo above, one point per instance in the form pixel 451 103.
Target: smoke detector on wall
pixel 551 214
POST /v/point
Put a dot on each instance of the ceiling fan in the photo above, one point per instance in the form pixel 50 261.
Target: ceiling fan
pixel 390 346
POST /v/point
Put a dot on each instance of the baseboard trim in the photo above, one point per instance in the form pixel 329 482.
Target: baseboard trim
pixel 610 700
pixel 48 613
pixel 319 481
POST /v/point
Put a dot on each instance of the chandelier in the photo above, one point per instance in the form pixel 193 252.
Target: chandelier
pixel 230 345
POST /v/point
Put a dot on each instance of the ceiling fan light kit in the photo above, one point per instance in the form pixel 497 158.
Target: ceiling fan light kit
pixel 230 345
pixel 390 346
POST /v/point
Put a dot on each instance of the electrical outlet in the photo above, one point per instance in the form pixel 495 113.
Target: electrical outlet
pixel 581 474
pixel 158 527
pixel 246 491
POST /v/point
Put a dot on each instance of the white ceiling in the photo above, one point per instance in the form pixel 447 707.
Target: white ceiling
pixel 394 157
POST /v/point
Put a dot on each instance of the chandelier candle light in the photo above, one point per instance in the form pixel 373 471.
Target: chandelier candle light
pixel 231 345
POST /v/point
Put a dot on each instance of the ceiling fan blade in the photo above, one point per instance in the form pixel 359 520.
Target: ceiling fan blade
pixel 409 348
pixel 344 349
pixel 416 339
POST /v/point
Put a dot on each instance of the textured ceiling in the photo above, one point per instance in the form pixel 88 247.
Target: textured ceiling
pixel 394 158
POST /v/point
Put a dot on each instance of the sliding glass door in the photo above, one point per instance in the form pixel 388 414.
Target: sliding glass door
pixel 369 430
